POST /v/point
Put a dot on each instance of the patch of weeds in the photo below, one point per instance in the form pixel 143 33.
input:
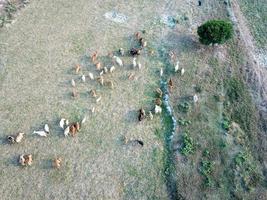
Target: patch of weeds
pixel 206 153
pixel 184 107
pixel 2 21
pixel 240 158
pixel 183 122
pixel 226 123
pixel 10 8
pixel 158 133
pixel 246 168
pixel 240 107
pixel 198 89
pixel 188 145
pixel 132 171
pixel 206 169
pixel 235 89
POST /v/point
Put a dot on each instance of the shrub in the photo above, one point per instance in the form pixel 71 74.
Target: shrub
pixel 206 169
pixel 183 107
pixel 215 32
pixel 226 124
pixel 198 89
pixel 184 122
pixel 188 145
pixel 235 89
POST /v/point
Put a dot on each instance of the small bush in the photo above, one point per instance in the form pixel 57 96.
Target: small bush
pixel 198 89
pixel 206 169
pixel 235 90
pixel 226 123
pixel 184 107
pixel 184 122
pixel 215 32
pixel 188 145
pixel 240 158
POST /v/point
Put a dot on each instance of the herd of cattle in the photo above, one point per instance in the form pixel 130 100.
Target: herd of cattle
pixel 71 129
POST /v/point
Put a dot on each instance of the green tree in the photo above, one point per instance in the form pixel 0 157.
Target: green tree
pixel 215 32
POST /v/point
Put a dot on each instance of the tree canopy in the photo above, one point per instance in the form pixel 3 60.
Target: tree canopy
pixel 215 32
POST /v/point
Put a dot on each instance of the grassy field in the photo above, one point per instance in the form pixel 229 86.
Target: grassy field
pixel 213 153
pixel 38 53
pixel 255 12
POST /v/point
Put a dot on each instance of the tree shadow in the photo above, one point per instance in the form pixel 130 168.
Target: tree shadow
pixel 185 43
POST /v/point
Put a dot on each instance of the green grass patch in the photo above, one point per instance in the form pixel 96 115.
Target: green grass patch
pixel 188 145
pixel 256 15
pixel 239 105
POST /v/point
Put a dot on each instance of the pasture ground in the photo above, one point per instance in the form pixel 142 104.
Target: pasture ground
pixel 37 55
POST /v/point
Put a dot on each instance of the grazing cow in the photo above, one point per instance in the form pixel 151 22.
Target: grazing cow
pixel 74 93
pixel 56 163
pixel 135 52
pixel 77 68
pixel 134 63
pixel 66 131
pixel 94 56
pixel 19 137
pixel 25 160
pixel 62 123
pixel 158 109
pixel 93 93
pixel 112 69
pixel 77 126
pixel 121 51
pixel 100 79
pixel 93 109
pixel 143 43
pixel 105 70
pixel 161 72
pixel 158 102
pixel 139 65
pixel 73 84
pixel 195 98
pixel 74 128
pixel 83 78
pixel 170 85
pixel 159 92
pixel 84 120
pixel 40 133
pixel 118 61
pixel 150 115
pixel 98 65
pixel 91 75
pixel 142 114
pixel 131 76
pixel 182 71
pixel 98 99
pixel 176 68
pixel 172 55
pixel 46 128
pixel 137 35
